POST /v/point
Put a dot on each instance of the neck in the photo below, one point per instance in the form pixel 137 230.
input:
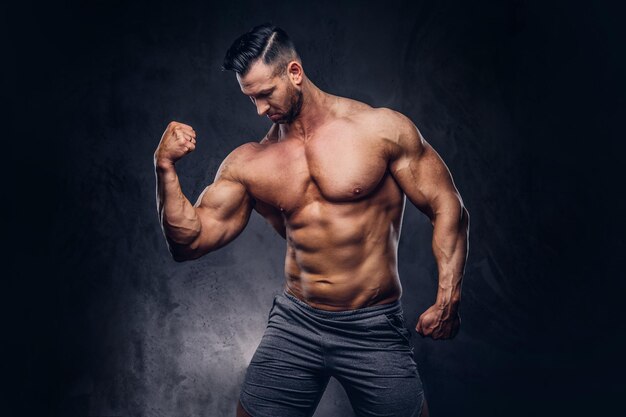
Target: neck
pixel 316 107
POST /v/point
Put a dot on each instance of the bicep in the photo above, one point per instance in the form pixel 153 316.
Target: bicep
pixel 224 210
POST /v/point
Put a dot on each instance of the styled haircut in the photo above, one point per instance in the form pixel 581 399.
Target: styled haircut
pixel 266 42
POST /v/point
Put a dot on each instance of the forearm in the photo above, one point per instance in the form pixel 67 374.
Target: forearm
pixel 450 246
pixel 179 220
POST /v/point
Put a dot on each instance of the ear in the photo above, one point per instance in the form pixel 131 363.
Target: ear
pixel 295 72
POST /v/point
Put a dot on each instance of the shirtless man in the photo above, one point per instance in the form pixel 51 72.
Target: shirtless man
pixel 331 177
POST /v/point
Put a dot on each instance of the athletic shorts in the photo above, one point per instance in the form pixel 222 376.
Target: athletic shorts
pixel 367 350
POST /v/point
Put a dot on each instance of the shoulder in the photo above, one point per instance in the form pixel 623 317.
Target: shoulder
pixel 243 152
pixel 395 131
pixel 391 124
pixel 232 166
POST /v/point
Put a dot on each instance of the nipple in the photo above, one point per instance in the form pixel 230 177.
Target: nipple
pixel 282 209
pixel 357 190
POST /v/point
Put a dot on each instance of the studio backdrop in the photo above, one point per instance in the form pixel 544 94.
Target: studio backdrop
pixel 518 97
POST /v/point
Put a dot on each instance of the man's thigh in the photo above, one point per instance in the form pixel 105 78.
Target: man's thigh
pixel 377 370
pixel 286 376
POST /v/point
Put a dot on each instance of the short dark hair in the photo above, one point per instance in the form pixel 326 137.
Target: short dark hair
pixel 266 42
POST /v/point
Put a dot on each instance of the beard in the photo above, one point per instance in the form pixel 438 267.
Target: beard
pixel 295 106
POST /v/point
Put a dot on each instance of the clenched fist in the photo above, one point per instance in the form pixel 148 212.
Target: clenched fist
pixel 439 323
pixel 177 141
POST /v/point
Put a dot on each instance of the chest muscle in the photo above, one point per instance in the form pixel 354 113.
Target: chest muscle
pixel 289 174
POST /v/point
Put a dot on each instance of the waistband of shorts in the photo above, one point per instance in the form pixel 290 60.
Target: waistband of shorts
pixel 359 313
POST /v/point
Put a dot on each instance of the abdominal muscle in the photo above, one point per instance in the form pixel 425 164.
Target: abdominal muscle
pixel 344 256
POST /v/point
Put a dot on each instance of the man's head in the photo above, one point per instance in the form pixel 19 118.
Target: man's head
pixel 269 71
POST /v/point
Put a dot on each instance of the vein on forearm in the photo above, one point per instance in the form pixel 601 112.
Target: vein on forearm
pixel 449 245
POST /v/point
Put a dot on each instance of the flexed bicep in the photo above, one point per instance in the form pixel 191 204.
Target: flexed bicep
pixel 224 209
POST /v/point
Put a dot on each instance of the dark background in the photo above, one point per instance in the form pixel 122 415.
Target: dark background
pixel 524 101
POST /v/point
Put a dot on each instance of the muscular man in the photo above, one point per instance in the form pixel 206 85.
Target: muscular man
pixel 331 177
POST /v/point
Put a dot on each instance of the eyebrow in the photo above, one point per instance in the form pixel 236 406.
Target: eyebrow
pixel 266 91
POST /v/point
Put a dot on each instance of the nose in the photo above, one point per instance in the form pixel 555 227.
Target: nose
pixel 261 107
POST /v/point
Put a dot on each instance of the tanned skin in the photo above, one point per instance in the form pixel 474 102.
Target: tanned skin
pixel 331 177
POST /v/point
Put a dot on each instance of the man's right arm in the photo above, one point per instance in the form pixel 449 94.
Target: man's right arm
pixel 221 212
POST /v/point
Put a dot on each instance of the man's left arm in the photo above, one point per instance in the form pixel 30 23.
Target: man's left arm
pixel 427 182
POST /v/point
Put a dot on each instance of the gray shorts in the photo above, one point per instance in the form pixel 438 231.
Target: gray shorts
pixel 367 350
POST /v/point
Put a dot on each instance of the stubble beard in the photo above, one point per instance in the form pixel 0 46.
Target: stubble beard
pixel 295 106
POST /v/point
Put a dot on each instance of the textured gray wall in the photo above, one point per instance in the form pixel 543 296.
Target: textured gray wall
pixel 102 322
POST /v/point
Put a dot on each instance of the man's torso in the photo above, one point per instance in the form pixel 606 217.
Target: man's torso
pixel 339 205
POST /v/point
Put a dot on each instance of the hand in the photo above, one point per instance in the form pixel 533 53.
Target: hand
pixel 439 323
pixel 177 141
